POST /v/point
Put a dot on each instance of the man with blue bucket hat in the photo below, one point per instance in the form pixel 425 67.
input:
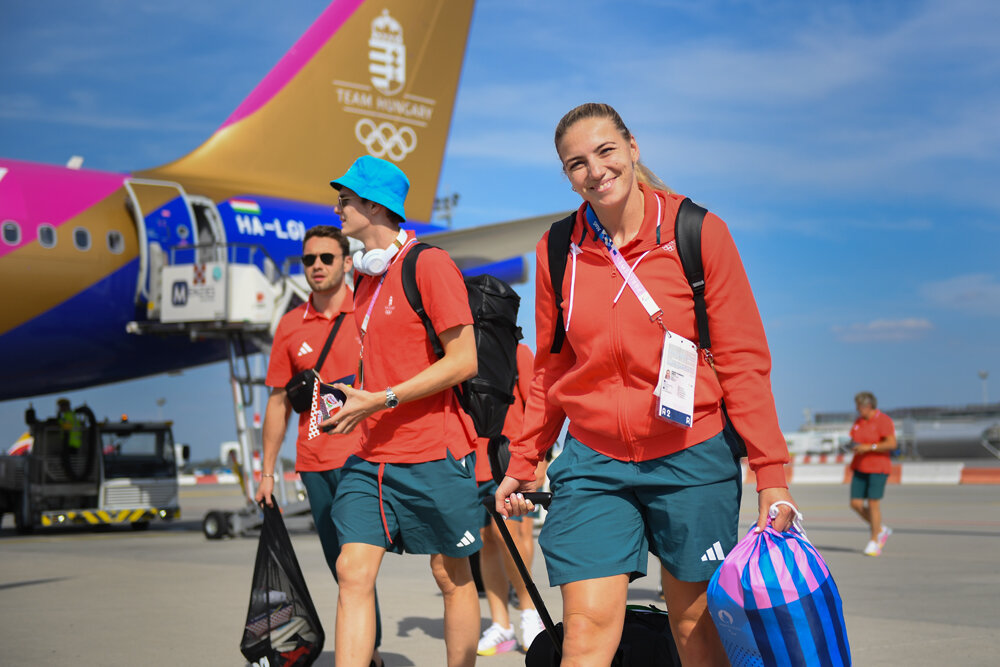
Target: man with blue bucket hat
pixel 411 487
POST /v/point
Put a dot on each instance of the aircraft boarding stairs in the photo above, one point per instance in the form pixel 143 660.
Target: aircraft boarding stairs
pixel 232 291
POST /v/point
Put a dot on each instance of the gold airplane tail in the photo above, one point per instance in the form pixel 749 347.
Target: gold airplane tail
pixel 367 77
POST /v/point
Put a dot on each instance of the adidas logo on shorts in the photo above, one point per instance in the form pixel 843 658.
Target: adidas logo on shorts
pixel 466 540
pixel 714 552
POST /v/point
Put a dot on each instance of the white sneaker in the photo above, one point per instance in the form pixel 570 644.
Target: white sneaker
pixel 873 549
pixel 883 536
pixel 497 639
pixel 531 627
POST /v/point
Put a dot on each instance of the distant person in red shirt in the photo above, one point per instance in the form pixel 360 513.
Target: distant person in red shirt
pixel 411 487
pixel 874 439
pixel 299 341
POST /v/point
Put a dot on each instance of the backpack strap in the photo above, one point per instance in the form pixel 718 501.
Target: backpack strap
pixel 687 235
pixel 409 279
pixel 558 248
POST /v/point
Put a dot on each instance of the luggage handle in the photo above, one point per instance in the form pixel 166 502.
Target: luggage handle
pixel 538 498
pixel 541 498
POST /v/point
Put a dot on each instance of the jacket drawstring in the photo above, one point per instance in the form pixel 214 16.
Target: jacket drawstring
pixel 574 250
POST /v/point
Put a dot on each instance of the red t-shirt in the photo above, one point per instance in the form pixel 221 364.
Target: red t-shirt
pixel 396 348
pixel 515 413
pixel 298 341
pixel 866 432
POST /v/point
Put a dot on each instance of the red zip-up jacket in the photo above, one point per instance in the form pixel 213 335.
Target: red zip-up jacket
pixel 604 377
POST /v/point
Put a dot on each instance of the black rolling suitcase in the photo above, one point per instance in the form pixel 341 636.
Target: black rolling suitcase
pixel 646 638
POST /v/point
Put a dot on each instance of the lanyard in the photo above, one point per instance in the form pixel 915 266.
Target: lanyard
pixel 632 280
pixel 371 304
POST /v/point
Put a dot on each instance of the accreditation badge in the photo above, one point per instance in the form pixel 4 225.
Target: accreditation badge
pixel 675 389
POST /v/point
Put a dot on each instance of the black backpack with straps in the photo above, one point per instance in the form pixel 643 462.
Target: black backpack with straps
pixel 494 306
pixel 687 236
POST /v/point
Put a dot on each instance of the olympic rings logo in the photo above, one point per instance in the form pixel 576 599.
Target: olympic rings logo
pixel 385 139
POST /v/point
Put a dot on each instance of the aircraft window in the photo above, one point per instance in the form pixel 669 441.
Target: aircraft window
pixel 11 232
pixel 46 235
pixel 81 238
pixel 116 242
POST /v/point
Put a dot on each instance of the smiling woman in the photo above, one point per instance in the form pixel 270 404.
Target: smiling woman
pixel 646 417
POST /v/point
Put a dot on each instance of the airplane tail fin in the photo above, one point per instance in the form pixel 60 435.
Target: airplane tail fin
pixel 377 78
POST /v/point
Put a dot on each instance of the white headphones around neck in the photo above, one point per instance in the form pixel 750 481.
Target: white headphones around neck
pixel 376 262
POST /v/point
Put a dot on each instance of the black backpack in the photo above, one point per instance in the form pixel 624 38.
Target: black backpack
pixel 687 236
pixel 494 305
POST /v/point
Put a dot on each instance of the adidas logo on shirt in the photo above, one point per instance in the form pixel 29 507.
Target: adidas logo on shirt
pixel 466 540
pixel 714 553
pixel 304 349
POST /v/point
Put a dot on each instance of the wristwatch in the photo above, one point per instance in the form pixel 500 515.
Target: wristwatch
pixel 391 400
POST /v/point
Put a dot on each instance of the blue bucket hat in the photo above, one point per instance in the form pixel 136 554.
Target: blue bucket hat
pixel 376 180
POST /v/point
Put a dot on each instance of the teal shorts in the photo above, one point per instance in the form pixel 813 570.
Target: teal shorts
pixel 488 491
pixel 870 485
pixel 607 515
pixel 425 508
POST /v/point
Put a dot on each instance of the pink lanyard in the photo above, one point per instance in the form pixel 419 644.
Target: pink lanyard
pixel 628 272
pixel 371 305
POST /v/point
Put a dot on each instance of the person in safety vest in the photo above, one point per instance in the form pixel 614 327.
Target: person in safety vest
pixel 70 424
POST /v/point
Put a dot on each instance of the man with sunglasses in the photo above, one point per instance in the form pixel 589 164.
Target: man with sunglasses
pixel 298 342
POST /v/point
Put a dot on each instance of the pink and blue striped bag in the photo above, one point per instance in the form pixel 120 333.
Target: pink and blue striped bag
pixel 775 604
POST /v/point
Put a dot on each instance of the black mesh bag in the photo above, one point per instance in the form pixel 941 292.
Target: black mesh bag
pixel 282 627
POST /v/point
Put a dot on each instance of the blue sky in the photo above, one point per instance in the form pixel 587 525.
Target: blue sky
pixel 852 147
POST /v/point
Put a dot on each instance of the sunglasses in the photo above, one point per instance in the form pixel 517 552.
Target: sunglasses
pixel 342 200
pixel 325 257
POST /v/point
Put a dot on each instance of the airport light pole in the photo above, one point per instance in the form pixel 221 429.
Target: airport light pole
pixel 982 376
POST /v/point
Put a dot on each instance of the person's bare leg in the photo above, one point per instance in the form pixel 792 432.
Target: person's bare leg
pixel 354 637
pixel 858 505
pixel 525 538
pixel 461 608
pixel 491 567
pixel 698 641
pixel 875 517
pixel 593 616
pixel 511 575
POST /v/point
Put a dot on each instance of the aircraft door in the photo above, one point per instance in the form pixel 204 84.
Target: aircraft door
pixel 164 220
pixel 209 232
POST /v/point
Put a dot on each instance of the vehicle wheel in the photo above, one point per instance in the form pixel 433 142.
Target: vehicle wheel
pixel 215 525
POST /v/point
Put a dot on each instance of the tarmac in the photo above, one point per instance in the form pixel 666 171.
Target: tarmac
pixel 167 596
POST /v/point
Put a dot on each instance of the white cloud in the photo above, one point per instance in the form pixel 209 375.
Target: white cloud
pixel 883 330
pixel 976 293
pixel 839 97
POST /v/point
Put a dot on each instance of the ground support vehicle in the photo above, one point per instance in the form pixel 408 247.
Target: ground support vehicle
pixel 123 473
